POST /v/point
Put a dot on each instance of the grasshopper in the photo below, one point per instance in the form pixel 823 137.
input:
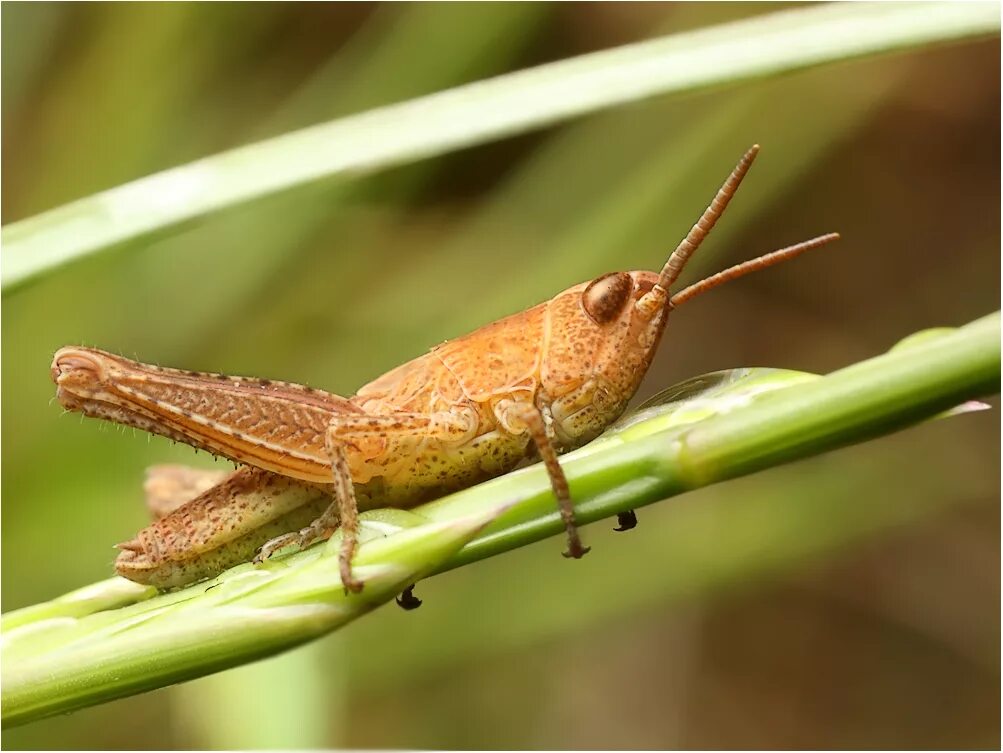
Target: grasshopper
pixel 537 383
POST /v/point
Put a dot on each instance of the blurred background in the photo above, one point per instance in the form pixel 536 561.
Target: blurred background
pixel 852 600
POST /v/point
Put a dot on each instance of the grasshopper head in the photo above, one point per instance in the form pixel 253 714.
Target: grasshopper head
pixel 627 311
pixel 615 331
pixel 603 334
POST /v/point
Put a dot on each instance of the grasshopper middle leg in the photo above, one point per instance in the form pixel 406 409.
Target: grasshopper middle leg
pixel 344 511
pixel 356 432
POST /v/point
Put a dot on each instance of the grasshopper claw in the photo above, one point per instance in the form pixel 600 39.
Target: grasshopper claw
pixel 271 546
pixel 352 585
pixel 626 520
pixel 407 600
pixel 302 539
pixel 576 550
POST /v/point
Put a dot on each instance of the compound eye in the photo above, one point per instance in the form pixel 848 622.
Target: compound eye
pixel 606 296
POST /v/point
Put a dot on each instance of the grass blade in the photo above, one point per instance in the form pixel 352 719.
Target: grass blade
pixel 480 112
pixel 59 664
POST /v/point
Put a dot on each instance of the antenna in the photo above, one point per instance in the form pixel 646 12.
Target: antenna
pixel 674 266
pixel 753 265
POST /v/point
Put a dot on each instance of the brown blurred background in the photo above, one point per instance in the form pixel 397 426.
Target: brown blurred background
pixel 852 600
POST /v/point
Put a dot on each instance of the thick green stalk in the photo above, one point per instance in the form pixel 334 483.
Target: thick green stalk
pixel 63 663
pixel 81 649
pixel 858 402
pixel 480 112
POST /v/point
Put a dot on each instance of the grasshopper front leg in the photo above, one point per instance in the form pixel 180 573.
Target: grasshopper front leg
pixel 516 415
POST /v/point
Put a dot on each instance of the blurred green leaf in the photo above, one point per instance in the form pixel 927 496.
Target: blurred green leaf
pixel 478 112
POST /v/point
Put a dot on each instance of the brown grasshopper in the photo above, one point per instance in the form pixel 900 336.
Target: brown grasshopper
pixel 543 381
